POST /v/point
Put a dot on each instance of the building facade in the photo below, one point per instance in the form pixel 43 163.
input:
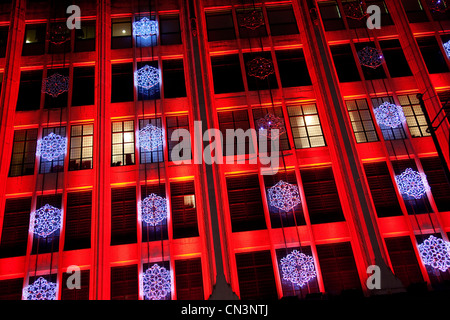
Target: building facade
pixel 220 221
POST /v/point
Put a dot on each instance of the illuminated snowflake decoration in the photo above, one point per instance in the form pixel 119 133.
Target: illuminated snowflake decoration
pixel 156 283
pixel 390 115
pixel 51 147
pixel 41 289
pixel 147 77
pixel 270 122
pixel 370 57
pixel 260 67
pixel 58 33
pixel 437 5
pixel 154 209
pixel 298 268
pixel 284 196
pixel 145 28
pixel 55 85
pixel 150 137
pixel 252 20
pixel 355 10
pixel 435 252
pixel 412 183
pixel 45 221
pixel 447 48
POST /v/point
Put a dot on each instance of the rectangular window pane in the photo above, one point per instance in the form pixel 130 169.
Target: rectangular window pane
pixel 30 86
pixel 361 120
pixel 24 153
pixel 227 74
pixel 282 20
pixel 83 92
pixel 34 42
pixel 122 82
pixel 78 220
pixel 121 31
pixel 123 216
pixel 173 75
pixel 184 209
pixel 414 116
pixel 123 143
pixel 124 283
pixel 170 32
pixel 85 37
pixel 306 127
pixel 174 123
pixel 233 120
pixel 189 279
pixel 220 26
pixel 81 147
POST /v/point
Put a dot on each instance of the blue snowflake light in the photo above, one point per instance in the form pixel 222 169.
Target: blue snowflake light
pixel 447 48
pixel 390 115
pixel 412 183
pixel 146 77
pixel 51 147
pixel 55 85
pixel 156 283
pixel 154 209
pixel 41 289
pixel 145 28
pixel 435 252
pixel 298 268
pixel 260 67
pixel 45 221
pixel 270 122
pixel 370 57
pixel 284 196
pixel 150 137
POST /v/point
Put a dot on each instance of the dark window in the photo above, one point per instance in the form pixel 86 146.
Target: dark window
pixel 189 280
pixel 382 190
pixel 234 120
pixel 50 244
pixel 220 26
pixel 414 11
pixel 170 32
pixel 184 209
pixel 331 16
pixel 3 41
pixel 361 120
pixel 11 289
pixel 173 123
pixel 260 113
pixel 122 82
pixel 282 21
pixel 370 73
pixel 253 32
pixel 338 267
pixel 153 92
pixel 159 231
pixel 29 97
pixel 123 216
pixel 388 132
pixel 156 155
pixel 404 261
pixel 15 228
pixel 61 100
pixel 246 207
pixel 415 118
pixel 344 63
pixel 432 55
pixel 395 58
pixel 85 37
pixel 24 153
pixel 438 184
pixel 121 31
pixel 173 75
pixel 124 283
pixel 255 83
pixel 255 274
pixel 292 68
pixel 305 125
pixel 386 19
pixel 227 74
pixel 321 195
pixel 78 220
pixel 83 93
pixel 122 143
pixel 76 294
pixel 55 165
pixel 34 42
pixel 81 147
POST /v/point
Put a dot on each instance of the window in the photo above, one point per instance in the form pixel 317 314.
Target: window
pixel 122 143
pixel 23 153
pixel 370 73
pixel 386 19
pixel 123 216
pixel 292 68
pixel 77 294
pixel 338 267
pixel 15 228
pixel 81 147
pixel 255 276
pixel 189 279
pixel 11 289
pixel 436 179
pixel 246 207
pixel 234 120
pixel 30 86
pixel 306 127
pixel 61 100
pixel 388 132
pixel 55 165
pixel 259 113
pixel 282 20
pixel 78 220
pixel 3 41
pixel 395 58
pixel 432 55
pixel 124 283
pixel 122 82
pixel 83 93
pixel 245 32
pixel 85 37
pixel 414 11
pixel 173 123
pixel 414 116
pixel 220 26
pixel 322 198
pixel 184 211
pixel 173 75
pixel 158 232
pixel 49 244
pixel 34 43
pixel 227 74
pixel 156 155
pixel 382 190
pixel 255 83
pixel 121 33
pixel 170 32
pixel 344 63
pixel 331 16
pixel 361 120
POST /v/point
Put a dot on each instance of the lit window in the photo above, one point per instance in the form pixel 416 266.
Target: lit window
pixel 81 147
pixel 414 116
pixel 306 127
pixel 122 143
pixel 361 120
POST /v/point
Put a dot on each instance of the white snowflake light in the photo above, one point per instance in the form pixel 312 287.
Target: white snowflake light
pixel 145 28
pixel 156 283
pixel 412 183
pixel 270 122
pixel 55 85
pixel 435 252
pixel 146 77
pixel 284 196
pixel 370 57
pixel 45 221
pixel 390 115
pixel 150 137
pixel 51 147
pixel 154 209
pixel 447 48
pixel 41 289
pixel 298 268
pixel 260 68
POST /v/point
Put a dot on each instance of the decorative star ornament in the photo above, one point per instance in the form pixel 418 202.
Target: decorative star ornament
pixel 41 289
pixel 147 77
pixel 356 10
pixel 435 252
pixel 55 85
pixel 437 5
pixel 412 183
pixel 58 33
pixel 390 115
pixel 370 57
pixel 284 196
pixel 45 221
pixel 270 122
pixel 298 268
pixel 156 283
pixel 51 147
pixel 150 137
pixel 145 28
pixel 260 68
pixel 252 20
pixel 154 209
